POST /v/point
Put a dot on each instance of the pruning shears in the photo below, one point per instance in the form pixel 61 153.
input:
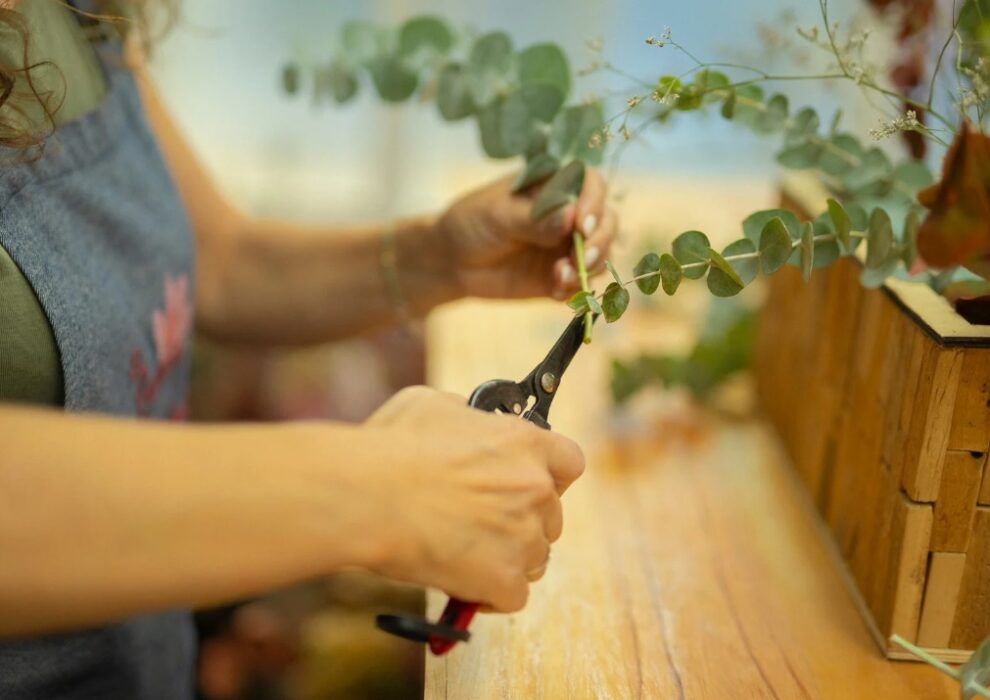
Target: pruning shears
pixel 529 399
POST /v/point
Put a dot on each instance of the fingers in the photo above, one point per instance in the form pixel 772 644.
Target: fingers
pixel 597 249
pixel 565 460
pixel 591 203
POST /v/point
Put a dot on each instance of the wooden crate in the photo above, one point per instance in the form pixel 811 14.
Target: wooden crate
pixel 882 398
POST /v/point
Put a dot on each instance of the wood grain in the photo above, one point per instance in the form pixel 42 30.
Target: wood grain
pixel 972 622
pixel 984 499
pixel 971 422
pixel 956 504
pixel 945 572
pixel 692 564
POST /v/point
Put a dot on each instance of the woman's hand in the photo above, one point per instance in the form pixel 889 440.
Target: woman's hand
pixel 498 251
pixel 475 499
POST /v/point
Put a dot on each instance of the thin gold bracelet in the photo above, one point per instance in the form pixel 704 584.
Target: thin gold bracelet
pixel 389 260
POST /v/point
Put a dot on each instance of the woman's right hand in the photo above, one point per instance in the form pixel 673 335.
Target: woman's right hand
pixel 472 499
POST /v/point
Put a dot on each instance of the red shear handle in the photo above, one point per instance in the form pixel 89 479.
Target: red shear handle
pixel 457 615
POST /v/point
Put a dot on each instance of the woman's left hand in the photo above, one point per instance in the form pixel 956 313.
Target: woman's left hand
pixel 499 251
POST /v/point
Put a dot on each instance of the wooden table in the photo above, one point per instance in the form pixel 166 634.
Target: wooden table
pixel 691 565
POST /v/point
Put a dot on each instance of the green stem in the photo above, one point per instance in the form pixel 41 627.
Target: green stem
pixel 925 656
pixel 582 271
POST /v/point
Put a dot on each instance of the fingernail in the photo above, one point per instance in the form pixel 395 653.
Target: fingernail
pixel 567 274
pixel 591 256
pixel 589 225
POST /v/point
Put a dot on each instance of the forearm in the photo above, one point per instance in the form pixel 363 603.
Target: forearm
pixel 286 283
pixel 103 518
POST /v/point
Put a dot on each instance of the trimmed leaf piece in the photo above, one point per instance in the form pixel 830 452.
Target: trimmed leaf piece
pixel 454 94
pixel 723 281
pixel 649 264
pixel 691 248
pixel 880 239
pixel 545 64
pixel 563 188
pixel 775 245
pixel 841 224
pixel 538 168
pixel 489 66
pixel 393 80
pixel 747 266
pixel 584 302
pixel 670 273
pixel 615 302
pixel 612 271
pixel 807 249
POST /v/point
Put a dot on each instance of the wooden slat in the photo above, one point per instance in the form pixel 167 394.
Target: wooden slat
pixel 908 560
pixel 971 419
pixel 945 571
pixel 928 435
pixel 972 621
pixel 956 502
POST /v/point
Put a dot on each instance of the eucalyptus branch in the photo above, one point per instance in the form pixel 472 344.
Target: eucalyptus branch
pixel 582 272
pixel 941 54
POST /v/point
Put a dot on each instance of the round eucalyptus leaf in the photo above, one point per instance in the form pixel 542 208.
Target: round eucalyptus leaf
pixel 538 168
pixel 290 78
pixel 584 302
pixel 799 156
pixel 841 155
pixel 490 66
pixel 976 671
pixel 615 302
pixel 910 238
pixel 826 252
pixel 393 80
pixel 749 107
pixel 649 264
pixel 454 99
pixel 747 267
pixel 874 176
pixel 775 115
pixel 572 130
pixel 362 41
pixel 775 245
pixel 690 98
pixel 723 281
pixel 422 39
pixel 857 217
pixel 807 250
pixel 545 64
pixel 692 248
pixel 874 277
pixel 754 223
pixel 728 109
pixel 708 80
pixel 563 188
pixel 542 101
pixel 841 224
pixel 670 273
pixel 506 126
pixel 914 175
pixel 879 239
pixel 804 126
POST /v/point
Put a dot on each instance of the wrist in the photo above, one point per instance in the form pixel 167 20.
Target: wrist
pixel 425 263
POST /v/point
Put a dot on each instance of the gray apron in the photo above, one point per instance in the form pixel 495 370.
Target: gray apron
pixel 97 228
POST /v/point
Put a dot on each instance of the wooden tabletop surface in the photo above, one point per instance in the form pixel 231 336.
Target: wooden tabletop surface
pixel 690 565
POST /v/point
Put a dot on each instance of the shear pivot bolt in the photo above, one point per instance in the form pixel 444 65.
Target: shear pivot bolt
pixel 516 408
pixel 549 382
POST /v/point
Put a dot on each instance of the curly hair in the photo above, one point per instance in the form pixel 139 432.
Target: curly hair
pixel 19 86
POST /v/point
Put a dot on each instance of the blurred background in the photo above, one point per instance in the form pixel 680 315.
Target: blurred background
pixel 219 73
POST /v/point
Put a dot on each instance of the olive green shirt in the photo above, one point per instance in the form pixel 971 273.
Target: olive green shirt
pixel 30 366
